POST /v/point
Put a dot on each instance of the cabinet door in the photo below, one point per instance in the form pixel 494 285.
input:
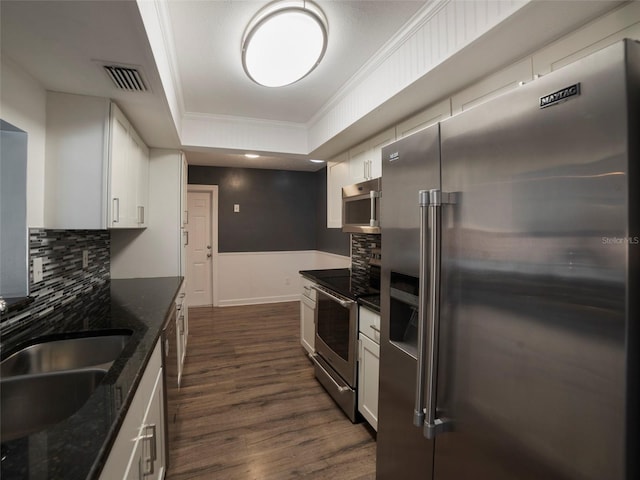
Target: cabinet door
pixel 140 179
pixel 376 143
pixel 129 174
pixel 337 177
pixel 620 23
pixel 184 174
pixel 490 87
pixel 183 337
pixel 179 347
pixel 369 323
pixel 121 211
pixel 152 435
pixel 424 119
pixel 368 375
pixel 359 162
pixel 134 468
pixel 126 451
pixel 307 324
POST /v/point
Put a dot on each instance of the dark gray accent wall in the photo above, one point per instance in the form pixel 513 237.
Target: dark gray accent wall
pixel 279 210
pixel 331 240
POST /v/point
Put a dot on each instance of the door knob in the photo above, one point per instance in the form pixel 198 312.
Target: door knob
pixel 208 255
pixel 208 247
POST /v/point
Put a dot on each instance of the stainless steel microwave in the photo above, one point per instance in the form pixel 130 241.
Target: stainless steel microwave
pixel 361 207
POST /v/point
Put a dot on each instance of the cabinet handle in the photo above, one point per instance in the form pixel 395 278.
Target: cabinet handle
pixel 150 461
pixel 140 214
pixel 186 238
pixel 116 210
pixel 374 328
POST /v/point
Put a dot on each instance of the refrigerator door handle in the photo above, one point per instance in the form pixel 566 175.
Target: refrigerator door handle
pixel 418 411
pixel 432 425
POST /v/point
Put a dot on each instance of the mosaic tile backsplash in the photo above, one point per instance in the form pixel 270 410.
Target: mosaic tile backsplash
pixel 364 248
pixel 68 294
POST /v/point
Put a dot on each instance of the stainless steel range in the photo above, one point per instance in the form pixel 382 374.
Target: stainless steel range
pixel 336 338
pixel 336 333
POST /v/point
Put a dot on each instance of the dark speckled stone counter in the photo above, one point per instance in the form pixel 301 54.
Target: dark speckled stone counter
pixel 78 447
pixel 347 283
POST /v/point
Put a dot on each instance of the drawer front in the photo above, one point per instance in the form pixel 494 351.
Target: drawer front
pixel 307 291
pixel 369 324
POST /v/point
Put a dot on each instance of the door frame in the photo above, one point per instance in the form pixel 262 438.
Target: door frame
pixel 213 192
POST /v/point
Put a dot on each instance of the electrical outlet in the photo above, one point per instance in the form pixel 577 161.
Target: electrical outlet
pixel 37 270
pixel 85 259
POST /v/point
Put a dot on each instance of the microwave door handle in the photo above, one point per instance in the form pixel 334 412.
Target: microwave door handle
pixel 373 221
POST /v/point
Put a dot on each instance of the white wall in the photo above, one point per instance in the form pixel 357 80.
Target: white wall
pixel 268 277
pixel 23 104
pixel 156 250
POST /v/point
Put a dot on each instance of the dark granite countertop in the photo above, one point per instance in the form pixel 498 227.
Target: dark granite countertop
pixel 78 447
pixel 348 284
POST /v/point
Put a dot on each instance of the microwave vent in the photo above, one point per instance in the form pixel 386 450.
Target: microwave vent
pixel 126 78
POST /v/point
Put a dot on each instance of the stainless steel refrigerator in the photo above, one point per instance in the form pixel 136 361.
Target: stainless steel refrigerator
pixel 510 284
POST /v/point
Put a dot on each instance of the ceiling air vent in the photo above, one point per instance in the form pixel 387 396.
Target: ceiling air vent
pixel 126 78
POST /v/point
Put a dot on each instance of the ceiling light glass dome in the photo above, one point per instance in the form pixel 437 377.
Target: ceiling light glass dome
pixel 284 42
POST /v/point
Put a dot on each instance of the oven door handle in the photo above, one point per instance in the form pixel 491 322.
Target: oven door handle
pixel 344 303
pixel 341 388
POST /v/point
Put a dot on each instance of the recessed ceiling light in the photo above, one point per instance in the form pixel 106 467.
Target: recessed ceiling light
pixel 313 160
pixel 284 42
pixel 251 155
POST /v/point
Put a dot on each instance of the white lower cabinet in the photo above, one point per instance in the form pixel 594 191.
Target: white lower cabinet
pixel 139 449
pixel 368 365
pixel 307 316
pixel 182 329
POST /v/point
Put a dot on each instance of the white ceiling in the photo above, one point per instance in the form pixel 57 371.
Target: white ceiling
pixel 64 43
pixel 207 38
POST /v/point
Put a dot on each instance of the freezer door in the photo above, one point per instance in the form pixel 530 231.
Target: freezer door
pixel 532 341
pixel 409 165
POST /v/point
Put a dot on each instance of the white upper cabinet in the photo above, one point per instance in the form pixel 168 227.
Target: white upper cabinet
pixel 337 177
pixel 359 158
pixel 623 22
pixel 97 167
pixel 490 87
pixel 424 119
pixel 365 160
pixel 129 174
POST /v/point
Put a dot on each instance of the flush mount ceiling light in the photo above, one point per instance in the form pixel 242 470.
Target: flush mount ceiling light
pixel 284 42
pixel 251 155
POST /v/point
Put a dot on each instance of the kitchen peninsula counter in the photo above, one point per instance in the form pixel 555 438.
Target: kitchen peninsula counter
pixel 77 448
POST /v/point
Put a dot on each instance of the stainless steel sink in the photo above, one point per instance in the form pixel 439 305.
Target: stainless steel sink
pixel 31 403
pixel 68 354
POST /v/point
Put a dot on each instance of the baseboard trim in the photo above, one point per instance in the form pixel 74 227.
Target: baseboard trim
pixel 236 302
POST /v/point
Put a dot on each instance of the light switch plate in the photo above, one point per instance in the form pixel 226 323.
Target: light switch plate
pixel 236 207
pixel 37 270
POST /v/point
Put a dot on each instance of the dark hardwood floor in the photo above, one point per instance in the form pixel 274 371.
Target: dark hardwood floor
pixel 251 409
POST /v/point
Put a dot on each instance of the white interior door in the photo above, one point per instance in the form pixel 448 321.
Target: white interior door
pixel 199 249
